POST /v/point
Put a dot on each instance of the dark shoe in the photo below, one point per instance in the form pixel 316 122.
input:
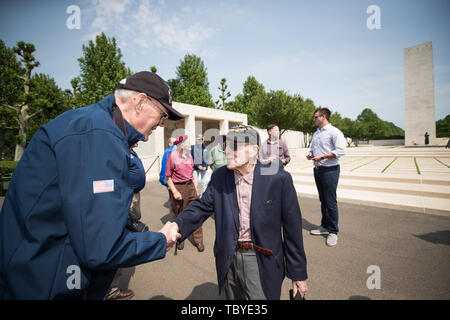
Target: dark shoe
pixel 200 247
pixel 120 295
pixel 180 246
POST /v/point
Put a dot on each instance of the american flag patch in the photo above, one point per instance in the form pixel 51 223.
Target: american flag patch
pixel 103 186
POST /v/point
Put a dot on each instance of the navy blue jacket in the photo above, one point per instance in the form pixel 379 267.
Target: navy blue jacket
pixel 274 213
pixel 53 225
pixel 137 172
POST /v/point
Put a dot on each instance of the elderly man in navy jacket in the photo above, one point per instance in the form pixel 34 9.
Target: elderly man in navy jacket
pixel 258 223
pixel 63 222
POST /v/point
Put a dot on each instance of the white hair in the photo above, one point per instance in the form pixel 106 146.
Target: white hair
pixel 125 94
pixel 172 139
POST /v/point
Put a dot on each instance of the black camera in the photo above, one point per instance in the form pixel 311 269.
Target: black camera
pixel 133 223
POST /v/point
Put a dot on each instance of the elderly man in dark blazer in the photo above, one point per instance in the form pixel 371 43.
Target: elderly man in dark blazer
pixel 258 223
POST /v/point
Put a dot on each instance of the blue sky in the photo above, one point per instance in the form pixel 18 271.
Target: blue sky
pixel 322 50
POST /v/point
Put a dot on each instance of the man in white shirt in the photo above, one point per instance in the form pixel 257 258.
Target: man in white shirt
pixel 327 146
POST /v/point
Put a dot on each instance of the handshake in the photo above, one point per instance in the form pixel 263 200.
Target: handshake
pixel 170 231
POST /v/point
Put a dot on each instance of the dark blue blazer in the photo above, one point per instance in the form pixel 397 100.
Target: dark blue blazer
pixel 275 223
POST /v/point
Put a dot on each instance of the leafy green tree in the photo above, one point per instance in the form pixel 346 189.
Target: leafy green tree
pixel 373 128
pixel 48 98
pixel 27 101
pixel 11 89
pixel 277 107
pixel 101 69
pixel 20 104
pixel 191 84
pixel 443 127
pixel 222 102
pixel 305 121
pixel 243 101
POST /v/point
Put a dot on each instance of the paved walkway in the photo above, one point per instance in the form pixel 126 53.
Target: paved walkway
pixel 411 249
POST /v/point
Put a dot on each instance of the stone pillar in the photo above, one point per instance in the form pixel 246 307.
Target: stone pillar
pixel 419 95
pixel 224 127
pixel 189 126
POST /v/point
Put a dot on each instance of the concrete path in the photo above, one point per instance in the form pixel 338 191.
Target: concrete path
pixel 412 251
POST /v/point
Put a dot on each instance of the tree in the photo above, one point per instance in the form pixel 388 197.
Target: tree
pixel 28 101
pixel 443 127
pixel 101 69
pixel 21 104
pixel 49 98
pixel 305 121
pixel 191 84
pixel 153 69
pixel 242 103
pixel 373 128
pixel 277 107
pixel 11 88
pixel 224 94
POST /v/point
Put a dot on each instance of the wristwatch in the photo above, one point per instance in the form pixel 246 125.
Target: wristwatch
pixel 322 158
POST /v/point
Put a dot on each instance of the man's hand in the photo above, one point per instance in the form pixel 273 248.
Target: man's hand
pixel 171 234
pixel 177 195
pixel 299 286
pixel 309 156
pixel 318 158
pixel 174 229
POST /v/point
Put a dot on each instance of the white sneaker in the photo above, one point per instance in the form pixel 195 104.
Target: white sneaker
pixel 332 239
pixel 319 231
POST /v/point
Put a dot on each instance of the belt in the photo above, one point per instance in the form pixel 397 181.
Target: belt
pixel 185 182
pixel 250 245
pixel 324 167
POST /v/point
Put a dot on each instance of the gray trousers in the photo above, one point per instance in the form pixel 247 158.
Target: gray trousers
pixel 242 281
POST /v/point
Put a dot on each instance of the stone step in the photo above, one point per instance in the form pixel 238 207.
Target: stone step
pixel 421 204
pixel 391 178
pixel 415 189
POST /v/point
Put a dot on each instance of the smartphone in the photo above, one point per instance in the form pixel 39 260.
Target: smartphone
pixel 310 157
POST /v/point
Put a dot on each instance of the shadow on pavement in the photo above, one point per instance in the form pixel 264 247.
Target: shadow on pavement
pixel 166 218
pixel 438 237
pixel 308 226
pixel 205 291
pixel 161 297
pixel 359 298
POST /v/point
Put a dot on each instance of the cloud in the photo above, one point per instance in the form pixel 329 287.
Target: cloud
pixel 148 25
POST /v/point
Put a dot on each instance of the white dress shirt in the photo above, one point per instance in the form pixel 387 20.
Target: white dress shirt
pixel 329 139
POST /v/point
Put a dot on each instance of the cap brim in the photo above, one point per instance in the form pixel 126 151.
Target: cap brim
pixel 173 114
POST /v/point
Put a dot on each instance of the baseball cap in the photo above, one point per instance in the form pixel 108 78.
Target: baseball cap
pixel 180 139
pixel 152 85
pixel 243 133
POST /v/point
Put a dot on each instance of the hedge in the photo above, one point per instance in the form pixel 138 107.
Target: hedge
pixel 7 167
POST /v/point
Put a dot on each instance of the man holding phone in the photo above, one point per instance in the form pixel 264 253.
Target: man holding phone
pixel 327 146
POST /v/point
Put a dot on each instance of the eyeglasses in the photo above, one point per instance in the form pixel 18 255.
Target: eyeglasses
pixel 315 117
pixel 164 115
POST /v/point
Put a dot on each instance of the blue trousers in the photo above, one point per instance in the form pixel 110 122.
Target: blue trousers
pixel 326 181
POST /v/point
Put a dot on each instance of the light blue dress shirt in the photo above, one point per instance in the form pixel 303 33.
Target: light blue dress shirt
pixel 329 139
